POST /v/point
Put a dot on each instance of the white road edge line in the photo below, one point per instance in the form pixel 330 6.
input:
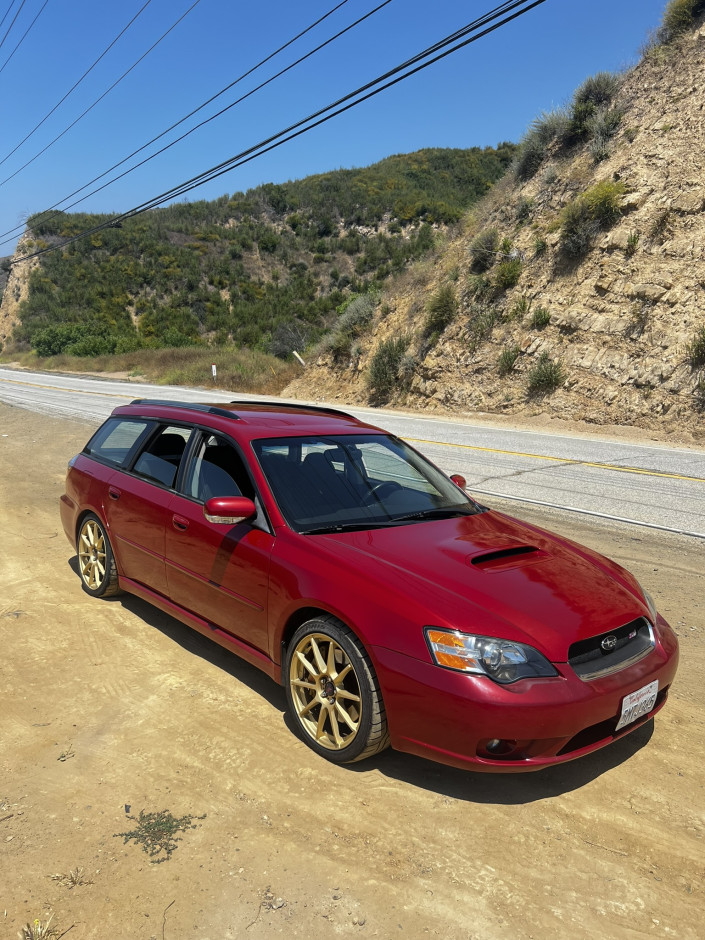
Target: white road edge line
pixel 588 512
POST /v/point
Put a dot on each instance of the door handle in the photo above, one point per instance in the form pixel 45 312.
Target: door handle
pixel 113 493
pixel 179 523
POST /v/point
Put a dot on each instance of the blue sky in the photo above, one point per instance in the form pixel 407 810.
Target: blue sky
pixel 485 93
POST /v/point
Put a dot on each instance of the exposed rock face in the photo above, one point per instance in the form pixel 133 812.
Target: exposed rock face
pixel 620 319
pixel 16 289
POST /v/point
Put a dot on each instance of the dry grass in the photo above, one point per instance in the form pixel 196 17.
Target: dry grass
pixel 242 370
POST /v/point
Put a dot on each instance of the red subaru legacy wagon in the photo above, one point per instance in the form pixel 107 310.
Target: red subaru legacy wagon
pixel 392 607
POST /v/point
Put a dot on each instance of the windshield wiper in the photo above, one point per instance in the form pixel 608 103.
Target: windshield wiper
pixel 447 513
pixel 346 527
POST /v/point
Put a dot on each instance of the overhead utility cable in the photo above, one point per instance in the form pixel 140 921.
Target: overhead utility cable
pixel 2 42
pixel 100 97
pixel 24 36
pixel 76 84
pixel 48 214
pixel 438 51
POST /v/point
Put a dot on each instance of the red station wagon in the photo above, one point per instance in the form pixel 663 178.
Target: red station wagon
pixel 392 607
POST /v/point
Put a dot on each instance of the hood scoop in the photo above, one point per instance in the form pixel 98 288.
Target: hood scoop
pixel 514 556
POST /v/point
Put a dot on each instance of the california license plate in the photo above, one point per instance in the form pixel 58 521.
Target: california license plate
pixel 637 704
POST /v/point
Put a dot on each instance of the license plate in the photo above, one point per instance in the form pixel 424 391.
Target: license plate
pixel 637 704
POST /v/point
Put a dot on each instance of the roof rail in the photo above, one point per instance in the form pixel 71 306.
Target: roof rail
pixel 189 405
pixel 287 404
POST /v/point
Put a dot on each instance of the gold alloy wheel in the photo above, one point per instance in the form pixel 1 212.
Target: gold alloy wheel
pixel 325 691
pixel 92 555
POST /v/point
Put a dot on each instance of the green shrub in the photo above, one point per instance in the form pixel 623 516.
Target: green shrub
pixel 540 318
pixel 385 368
pixel 632 243
pixel 543 130
pixel 546 376
pixel 524 209
pixel 508 273
pixel 507 358
pixel 678 17
pixel 583 219
pixel 483 249
pixel 519 308
pixel 593 95
pixel 481 287
pixel 540 246
pixel 441 310
pixel 695 348
pixel 480 325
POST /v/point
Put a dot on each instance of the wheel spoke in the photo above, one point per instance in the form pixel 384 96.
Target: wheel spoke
pixel 305 663
pixel 307 708
pixel 301 684
pixel 353 725
pixel 334 727
pixel 320 662
pixel 330 665
pixel 343 673
pixel 321 723
pixel 342 693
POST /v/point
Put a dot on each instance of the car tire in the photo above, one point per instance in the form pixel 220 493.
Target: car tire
pixel 333 694
pixel 96 562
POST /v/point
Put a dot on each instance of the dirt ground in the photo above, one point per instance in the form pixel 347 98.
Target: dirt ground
pixel 109 708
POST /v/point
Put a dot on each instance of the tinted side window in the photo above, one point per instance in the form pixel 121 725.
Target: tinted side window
pixel 217 470
pixel 159 461
pixel 115 440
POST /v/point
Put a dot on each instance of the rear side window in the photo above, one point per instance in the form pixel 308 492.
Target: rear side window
pixel 159 461
pixel 115 441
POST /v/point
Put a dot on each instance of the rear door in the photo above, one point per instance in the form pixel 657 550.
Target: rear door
pixel 219 572
pixel 137 506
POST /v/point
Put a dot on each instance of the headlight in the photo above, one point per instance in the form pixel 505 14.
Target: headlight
pixel 649 603
pixel 501 660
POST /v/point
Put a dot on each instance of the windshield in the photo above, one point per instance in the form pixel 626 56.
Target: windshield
pixel 361 481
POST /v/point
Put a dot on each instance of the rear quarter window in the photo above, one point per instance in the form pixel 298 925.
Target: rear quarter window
pixel 116 440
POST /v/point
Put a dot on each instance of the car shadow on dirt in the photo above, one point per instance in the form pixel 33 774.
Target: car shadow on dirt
pixel 509 788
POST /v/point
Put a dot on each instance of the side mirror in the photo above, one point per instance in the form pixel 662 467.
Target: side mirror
pixel 459 480
pixel 228 510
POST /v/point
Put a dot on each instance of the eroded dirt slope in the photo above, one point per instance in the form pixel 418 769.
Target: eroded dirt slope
pixel 148 715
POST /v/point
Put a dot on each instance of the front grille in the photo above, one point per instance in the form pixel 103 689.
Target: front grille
pixel 622 647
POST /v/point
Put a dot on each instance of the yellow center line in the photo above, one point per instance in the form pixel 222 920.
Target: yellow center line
pixel 564 460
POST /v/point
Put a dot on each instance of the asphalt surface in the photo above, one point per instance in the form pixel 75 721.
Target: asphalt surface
pixel 657 486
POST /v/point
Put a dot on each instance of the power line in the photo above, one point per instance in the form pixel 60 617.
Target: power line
pixel 2 42
pixel 100 97
pixel 76 84
pixel 440 50
pixel 172 127
pixel 24 36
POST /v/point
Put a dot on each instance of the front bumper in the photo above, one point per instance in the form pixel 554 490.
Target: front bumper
pixel 450 717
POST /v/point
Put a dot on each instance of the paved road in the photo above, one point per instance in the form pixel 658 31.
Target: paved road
pixel 652 485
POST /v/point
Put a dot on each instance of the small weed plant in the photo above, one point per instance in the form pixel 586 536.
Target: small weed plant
pixel 695 349
pixel 540 318
pixel 519 308
pixel 540 246
pixel 632 244
pixel 507 359
pixel 39 930
pixel 441 310
pixel 483 250
pixel 157 833
pixel 545 376
pixel 583 219
pixel 482 322
pixel 508 273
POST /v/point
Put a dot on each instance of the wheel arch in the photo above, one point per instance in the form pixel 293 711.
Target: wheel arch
pixel 294 621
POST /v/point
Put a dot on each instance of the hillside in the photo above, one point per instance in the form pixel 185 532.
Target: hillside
pixel 575 287
pixel 265 269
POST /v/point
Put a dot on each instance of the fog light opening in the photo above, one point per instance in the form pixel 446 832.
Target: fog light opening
pixel 500 747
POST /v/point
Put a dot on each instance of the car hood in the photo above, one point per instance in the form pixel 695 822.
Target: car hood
pixel 495 576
